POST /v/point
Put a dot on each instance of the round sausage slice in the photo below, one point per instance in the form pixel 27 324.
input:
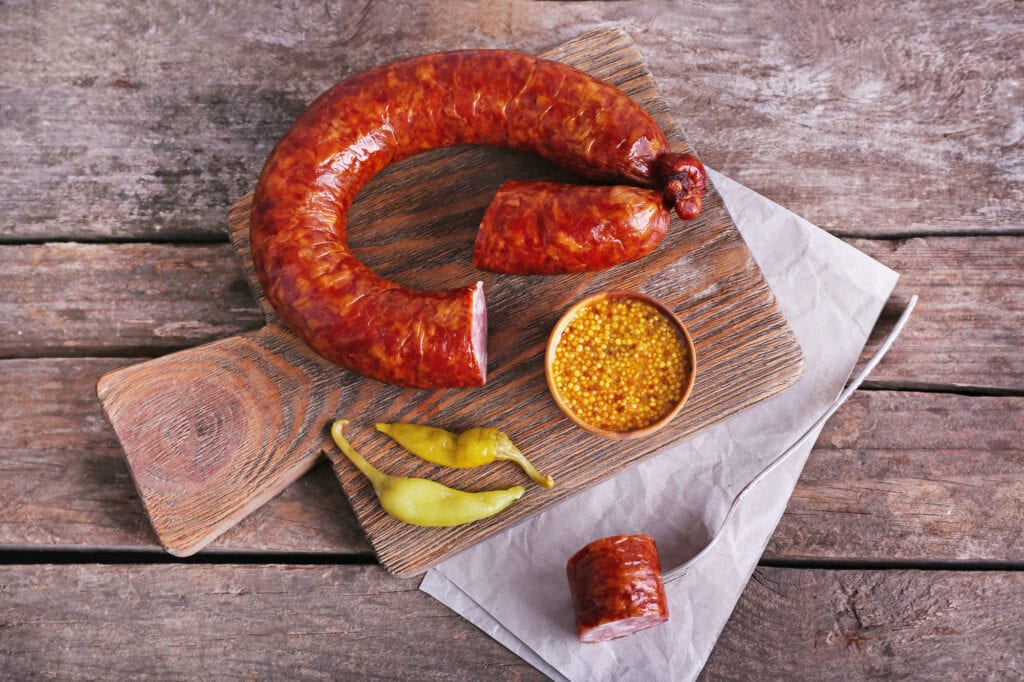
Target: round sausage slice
pixel 616 587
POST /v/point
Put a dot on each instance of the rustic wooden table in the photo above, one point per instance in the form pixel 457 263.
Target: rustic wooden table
pixel 127 130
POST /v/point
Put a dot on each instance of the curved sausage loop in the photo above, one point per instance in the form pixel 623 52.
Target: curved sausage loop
pixel 363 322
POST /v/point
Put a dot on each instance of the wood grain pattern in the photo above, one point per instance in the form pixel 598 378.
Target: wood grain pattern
pixel 869 120
pixel 914 477
pixel 65 483
pixel 58 299
pixel 210 434
pixel 966 333
pixel 236 622
pixel 702 270
pixel 347 622
pixel 859 625
pixel 119 299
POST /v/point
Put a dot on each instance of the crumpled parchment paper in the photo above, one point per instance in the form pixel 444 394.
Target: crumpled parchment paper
pixel 513 585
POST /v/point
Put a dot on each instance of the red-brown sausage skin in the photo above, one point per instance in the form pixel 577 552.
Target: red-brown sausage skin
pixel 299 237
pixel 545 228
pixel 616 587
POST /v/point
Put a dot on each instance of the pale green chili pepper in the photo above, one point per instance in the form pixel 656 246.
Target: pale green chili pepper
pixel 472 448
pixel 422 502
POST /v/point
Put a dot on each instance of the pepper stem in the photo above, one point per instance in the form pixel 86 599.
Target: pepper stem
pixel 506 450
pixel 377 477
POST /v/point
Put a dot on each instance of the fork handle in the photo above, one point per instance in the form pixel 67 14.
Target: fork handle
pixel 680 570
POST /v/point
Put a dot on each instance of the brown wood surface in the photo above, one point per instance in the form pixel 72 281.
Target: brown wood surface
pixel 54 303
pixel 127 129
pixel 967 335
pixel 331 622
pixel 65 483
pixel 899 475
pixel 859 625
pixel 209 432
pixel 866 118
pixel 60 299
pixel 244 622
pixel 896 475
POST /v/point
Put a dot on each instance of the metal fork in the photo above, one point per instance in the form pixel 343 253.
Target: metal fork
pixel 680 570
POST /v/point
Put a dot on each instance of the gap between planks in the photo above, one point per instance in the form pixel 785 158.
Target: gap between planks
pixel 943 389
pixel 147 556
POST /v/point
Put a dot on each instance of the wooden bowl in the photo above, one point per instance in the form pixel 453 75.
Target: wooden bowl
pixel 683 336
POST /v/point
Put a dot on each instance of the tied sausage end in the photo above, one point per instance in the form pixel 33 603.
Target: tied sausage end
pixel 683 182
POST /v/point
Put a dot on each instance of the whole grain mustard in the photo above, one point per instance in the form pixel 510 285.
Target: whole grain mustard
pixel 620 365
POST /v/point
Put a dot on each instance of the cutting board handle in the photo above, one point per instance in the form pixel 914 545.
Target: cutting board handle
pixel 213 432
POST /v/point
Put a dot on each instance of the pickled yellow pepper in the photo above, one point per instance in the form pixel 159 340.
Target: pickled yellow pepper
pixel 422 502
pixel 472 448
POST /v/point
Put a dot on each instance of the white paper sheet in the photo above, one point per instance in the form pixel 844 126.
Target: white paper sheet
pixel 513 585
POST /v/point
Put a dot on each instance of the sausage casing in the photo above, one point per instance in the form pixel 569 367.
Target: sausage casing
pixel 299 240
pixel 544 228
pixel 616 587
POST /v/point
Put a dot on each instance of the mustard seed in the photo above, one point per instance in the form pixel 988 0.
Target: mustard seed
pixel 620 365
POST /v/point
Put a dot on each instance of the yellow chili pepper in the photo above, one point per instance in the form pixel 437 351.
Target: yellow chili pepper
pixel 472 448
pixel 422 502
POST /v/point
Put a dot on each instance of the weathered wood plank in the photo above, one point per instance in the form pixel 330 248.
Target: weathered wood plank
pixel 911 476
pixel 212 433
pixel 343 621
pixel 129 299
pixel 64 481
pixel 147 123
pixel 144 299
pixel 856 625
pixel 966 331
pixel 908 476
pixel 865 118
pixel 250 622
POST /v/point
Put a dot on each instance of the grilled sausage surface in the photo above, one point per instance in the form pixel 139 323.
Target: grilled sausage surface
pixel 545 228
pixel 616 587
pixel 374 327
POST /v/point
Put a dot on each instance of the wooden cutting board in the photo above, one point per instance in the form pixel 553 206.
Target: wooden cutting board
pixel 212 432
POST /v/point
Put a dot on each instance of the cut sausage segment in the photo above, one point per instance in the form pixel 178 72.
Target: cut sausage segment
pixel 345 312
pixel 544 228
pixel 616 587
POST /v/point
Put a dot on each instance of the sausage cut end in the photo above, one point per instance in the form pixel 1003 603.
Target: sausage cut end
pixel 616 587
pixel 478 335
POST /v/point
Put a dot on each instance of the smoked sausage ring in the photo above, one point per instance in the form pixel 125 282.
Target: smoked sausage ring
pixel 379 329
